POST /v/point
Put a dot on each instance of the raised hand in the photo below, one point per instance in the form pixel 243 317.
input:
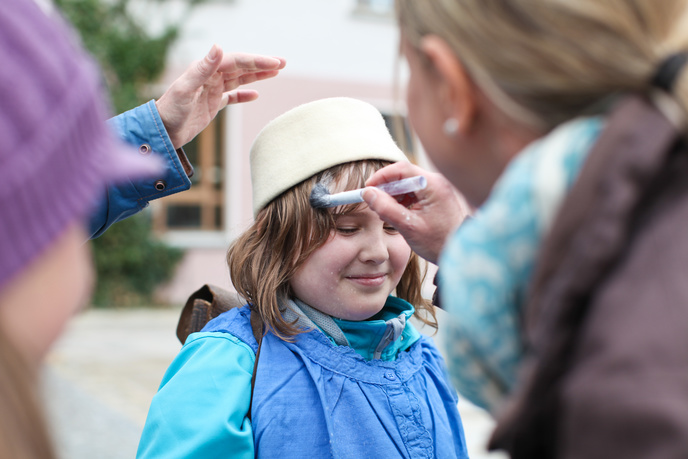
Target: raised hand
pixel 209 85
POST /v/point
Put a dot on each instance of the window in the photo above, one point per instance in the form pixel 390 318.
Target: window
pixel 199 208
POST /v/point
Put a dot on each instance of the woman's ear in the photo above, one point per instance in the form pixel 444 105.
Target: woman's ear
pixel 456 87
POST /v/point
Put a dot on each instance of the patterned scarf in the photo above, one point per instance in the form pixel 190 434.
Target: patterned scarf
pixel 486 266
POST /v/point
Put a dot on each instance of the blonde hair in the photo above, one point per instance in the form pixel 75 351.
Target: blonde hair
pixel 23 431
pixel 286 232
pixel 547 61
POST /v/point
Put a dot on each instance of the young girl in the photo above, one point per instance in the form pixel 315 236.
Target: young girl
pixel 341 371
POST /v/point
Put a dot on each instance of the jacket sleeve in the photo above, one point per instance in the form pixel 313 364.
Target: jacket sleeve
pixel 200 410
pixel 141 127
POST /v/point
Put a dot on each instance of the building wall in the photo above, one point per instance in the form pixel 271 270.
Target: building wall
pixel 327 39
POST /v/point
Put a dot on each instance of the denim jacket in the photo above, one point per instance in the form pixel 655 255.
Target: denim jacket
pixel 142 127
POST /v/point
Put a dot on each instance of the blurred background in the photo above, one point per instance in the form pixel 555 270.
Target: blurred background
pixel 105 370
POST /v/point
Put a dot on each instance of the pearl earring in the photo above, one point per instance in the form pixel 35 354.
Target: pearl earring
pixel 451 127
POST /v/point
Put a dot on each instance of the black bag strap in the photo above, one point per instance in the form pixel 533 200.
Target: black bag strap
pixel 209 302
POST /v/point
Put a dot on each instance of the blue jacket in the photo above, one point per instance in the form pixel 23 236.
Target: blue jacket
pixel 142 128
pixel 312 398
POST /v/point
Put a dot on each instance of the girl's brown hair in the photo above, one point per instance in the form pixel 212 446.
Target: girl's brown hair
pixel 287 231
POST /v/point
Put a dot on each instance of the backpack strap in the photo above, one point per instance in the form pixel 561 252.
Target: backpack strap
pixel 203 305
pixel 209 302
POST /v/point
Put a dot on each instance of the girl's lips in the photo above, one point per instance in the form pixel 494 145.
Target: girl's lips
pixel 368 280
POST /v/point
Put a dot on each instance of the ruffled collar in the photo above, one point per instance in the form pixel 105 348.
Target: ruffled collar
pixel 382 336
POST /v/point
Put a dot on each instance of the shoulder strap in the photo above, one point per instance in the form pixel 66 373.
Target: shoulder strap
pixel 209 302
pixel 203 305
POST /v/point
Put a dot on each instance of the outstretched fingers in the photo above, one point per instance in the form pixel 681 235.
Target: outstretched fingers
pixel 239 97
pixel 233 82
pixel 202 70
pixel 248 63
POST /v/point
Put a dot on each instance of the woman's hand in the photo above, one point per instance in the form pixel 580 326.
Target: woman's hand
pixel 425 218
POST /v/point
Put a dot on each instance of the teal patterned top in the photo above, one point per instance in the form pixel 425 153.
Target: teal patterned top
pixel 486 267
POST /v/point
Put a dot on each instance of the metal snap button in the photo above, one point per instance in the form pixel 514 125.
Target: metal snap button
pixel 145 149
pixel 160 185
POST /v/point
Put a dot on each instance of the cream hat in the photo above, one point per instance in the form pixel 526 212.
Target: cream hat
pixel 313 137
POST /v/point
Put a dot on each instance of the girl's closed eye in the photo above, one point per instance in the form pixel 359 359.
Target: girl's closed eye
pixel 348 224
pixel 391 230
pixel 347 229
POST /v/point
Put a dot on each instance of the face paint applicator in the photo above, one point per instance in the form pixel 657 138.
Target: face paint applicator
pixel 321 197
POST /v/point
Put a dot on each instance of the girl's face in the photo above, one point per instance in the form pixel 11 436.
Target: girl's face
pixel 352 274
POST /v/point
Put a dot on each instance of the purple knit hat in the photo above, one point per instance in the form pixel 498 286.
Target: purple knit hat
pixel 56 152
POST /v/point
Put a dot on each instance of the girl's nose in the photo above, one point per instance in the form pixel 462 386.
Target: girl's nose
pixel 374 249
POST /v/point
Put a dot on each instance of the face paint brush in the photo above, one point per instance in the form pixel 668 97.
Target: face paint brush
pixel 321 197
